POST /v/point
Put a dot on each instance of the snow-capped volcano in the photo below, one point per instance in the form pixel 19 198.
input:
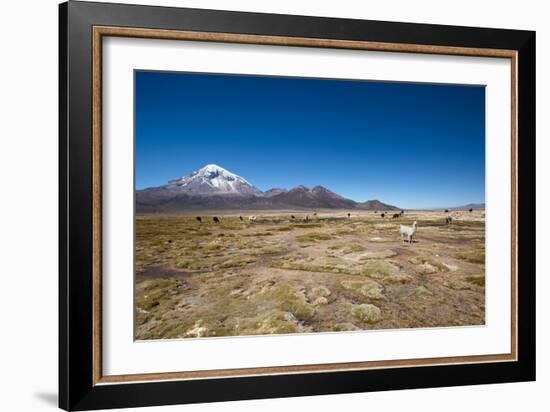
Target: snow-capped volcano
pixel 215 188
pixel 212 180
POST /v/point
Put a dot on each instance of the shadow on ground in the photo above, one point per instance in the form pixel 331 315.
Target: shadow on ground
pixel 49 398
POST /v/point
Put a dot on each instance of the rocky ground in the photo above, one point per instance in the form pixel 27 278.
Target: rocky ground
pixel 285 275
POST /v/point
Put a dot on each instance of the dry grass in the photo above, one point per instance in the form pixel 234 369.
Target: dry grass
pixel 473 256
pixel 279 275
pixel 371 290
pixel 367 313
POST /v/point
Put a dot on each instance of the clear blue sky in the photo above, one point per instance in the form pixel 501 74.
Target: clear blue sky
pixel 411 145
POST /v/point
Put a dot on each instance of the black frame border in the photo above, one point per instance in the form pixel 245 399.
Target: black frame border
pixel 76 387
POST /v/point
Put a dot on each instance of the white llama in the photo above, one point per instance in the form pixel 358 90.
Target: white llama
pixel 408 231
pixel 252 218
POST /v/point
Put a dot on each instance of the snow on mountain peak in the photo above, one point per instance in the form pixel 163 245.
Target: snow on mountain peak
pixel 213 168
pixel 212 179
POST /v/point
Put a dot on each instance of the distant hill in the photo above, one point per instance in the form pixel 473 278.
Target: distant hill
pixel 215 188
pixel 475 206
pixel 375 205
pixel 318 197
pixel 274 191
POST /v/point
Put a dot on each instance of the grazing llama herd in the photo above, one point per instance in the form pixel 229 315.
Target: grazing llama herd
pixel 407 232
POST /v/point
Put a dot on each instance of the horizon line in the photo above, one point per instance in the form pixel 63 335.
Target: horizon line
pixel 376 199
pixel 211 164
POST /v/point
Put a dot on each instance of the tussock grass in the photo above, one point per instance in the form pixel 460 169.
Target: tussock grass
pixel 306 225
pixel 345 232
pixel 192 264
pixel 259 234
pixel 313 237
pixel 237 261
pixel 268 250
pixel 344 327
pixel 422 291
pixel 428 265
pixel 369 290
pixel 290 300
pixel 347 248
pixel 320 301
pixel 478 280
pixel 385 271
pixel 320 291
pixel 472 256
pixel 326 264
pixel 458 284
pixel 367 312
pixel 277 322
pixel 283 229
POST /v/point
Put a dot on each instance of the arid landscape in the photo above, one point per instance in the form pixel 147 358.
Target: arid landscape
pixel 285 273
pixel 333 205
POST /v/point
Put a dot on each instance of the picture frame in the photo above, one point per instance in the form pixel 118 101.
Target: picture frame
pixel 83 27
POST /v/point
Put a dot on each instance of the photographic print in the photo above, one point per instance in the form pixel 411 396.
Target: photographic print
pixel 280 205
pixel 241 193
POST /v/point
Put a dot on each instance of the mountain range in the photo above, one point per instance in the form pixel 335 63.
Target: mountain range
pixel 473 206
pixel 215 188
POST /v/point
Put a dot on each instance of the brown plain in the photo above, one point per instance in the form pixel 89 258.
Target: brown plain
pixel 280 275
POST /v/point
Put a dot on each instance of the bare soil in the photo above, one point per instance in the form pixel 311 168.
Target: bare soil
pixel 280 274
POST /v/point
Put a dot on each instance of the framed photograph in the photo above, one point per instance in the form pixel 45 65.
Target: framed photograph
pixel 257 205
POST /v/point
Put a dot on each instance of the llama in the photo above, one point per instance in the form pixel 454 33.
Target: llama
pixel 402 213
pixel 252 218
pixel 446 210
pixel 349 215
pixel 199 219
pixel 471 210
pixel 292 217
pixel 448 220
pixel 241 218
pixel 396 216
pixel 383 215
pixel 408 231
pixel 215 219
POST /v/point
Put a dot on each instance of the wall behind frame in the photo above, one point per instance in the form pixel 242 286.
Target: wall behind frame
pixel 28 210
